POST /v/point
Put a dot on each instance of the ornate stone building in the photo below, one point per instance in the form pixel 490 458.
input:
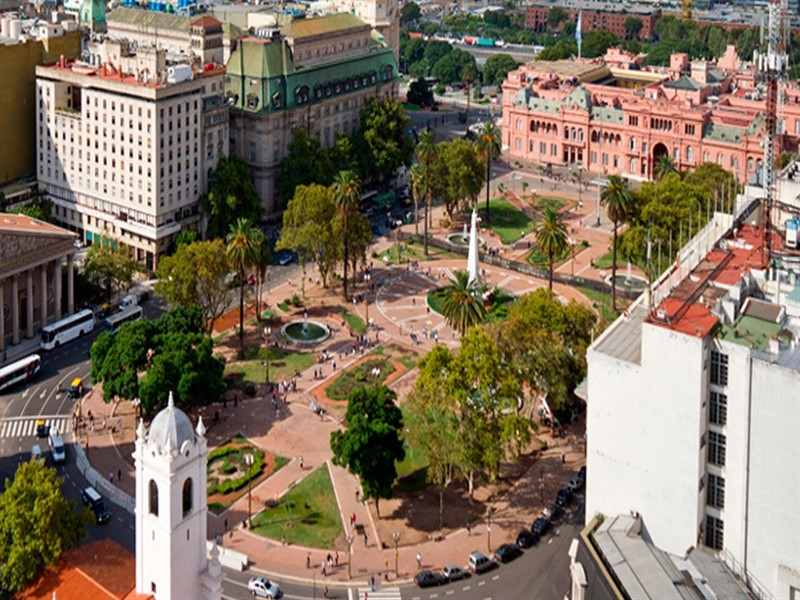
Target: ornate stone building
pixel 33 256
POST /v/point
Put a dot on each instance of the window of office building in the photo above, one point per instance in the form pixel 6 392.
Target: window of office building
pixel 715 492
pixel 718 408
pixel 716 448
pixel 719 368
pixel 714 532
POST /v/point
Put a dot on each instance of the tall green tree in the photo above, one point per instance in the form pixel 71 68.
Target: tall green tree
pixel 489 144
pixel 409 14
pixel 426 157
pixel 462 303
pixel 309 229
pixel 371 444
pixel 37 524
pixel 497 68
pixel 195 276
pixel 383 129
pixel 240 245
pixel 231 195
pixel 664 166
pixel 617 199
pixel 465 173
pixel 347 194
pixel 262 258
pixel 633 26
pixel 112 269
pixel 551 238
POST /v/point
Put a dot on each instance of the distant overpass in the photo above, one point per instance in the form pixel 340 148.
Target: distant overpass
pixel 521 54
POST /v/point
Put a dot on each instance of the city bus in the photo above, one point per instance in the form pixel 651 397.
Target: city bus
pixel 61 332
pixel 21 370
pixel 124 315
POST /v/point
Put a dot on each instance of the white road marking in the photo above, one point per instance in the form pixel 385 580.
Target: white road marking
pixel 496 577
pixel 480 583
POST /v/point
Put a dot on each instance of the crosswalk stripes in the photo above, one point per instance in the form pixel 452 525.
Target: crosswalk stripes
pixel 381 594
pixel 26 427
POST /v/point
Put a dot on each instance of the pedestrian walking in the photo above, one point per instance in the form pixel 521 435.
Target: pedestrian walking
pixel 469 529
pixel 301 463
pixel 119 474
pixel 325 591
pixel 366 539
pixel 336 559
pixel 419 560
pixel 329 558
pixel 308 561
pixel 324 570
pixel 111 477
pixel 358 493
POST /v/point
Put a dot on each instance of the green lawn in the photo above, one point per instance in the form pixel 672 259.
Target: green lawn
pixel 412 471
pixel 410 106
pixel 308 515
pixel 602 302
pixel 411 251
pixel 359 376
pixel 538 259
pixel 355 322
pixel 282 364
pixel 507 221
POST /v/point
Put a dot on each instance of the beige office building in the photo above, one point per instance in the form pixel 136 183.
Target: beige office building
pixel 125 148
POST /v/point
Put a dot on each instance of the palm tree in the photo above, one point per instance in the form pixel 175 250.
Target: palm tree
pixel 426 154
pixel 462 305
pixel 617 199
pixel 417 192
pixel 347 192
pixel 551 237
pixel 261 258
pixel 664 166
pixel 240 253
pixel 489 143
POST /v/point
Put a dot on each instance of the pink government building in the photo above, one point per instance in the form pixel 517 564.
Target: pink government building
pixel 614 116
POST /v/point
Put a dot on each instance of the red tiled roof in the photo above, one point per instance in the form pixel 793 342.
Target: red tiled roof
pixel 206 22
pixel 101 570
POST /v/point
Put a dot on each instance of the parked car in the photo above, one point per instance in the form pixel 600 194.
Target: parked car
pixel 582 474
pixel 540 526
pixel 264 588
pixel 575 484
pixel 555 511
pixel 453 573
pixel 507 552
pixel 285 257
pixel 42 428
pixel 95 502
pixel 526 539
pixel 480 563
pixel 57 448
pixel 429 579
pixel 564 496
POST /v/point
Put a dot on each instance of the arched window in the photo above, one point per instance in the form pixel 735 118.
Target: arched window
pixel 153 498
pixel 187 496
pixel 689 154
pixel 750 165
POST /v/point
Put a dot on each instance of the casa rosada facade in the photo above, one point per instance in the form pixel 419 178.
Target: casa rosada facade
pixel 613 116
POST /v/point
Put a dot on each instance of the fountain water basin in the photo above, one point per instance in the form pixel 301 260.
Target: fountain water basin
pixel 305 332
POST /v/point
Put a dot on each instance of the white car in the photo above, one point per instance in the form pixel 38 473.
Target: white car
pixel 264 588
pixel 36 452
pixel 57 449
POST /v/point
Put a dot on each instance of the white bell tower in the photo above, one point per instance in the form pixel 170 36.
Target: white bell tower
pixel 171 510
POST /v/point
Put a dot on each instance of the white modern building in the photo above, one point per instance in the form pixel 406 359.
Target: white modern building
pixel 693 409
pixel 172 562
pixel 125 144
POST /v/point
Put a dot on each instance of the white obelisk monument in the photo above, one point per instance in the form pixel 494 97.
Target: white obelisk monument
pixel 472 258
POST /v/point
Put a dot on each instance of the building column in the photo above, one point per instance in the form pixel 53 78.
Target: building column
pixel 43 295
pixel 57 287
pixel 2 316
pixel 70 284
pixel 15 310
pixel 29 303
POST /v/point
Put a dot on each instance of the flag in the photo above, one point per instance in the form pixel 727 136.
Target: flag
pixel 578 36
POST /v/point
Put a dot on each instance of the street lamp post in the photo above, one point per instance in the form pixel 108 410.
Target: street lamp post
pixel 489 530
pixel 396 539
pixel 248 460
pixel 267 338
pixel 368 281
pixel 349 540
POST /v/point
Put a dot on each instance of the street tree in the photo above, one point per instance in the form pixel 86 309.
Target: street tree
pixel 410 14
pixel 489 144
pixel 308 229
pixel 37 524
pixel 240 245
pixel 497 68
pixel 633 26
pixel 462 303
pixel 617 199
pixel 112 269
pixel 371 443
pixel 347 195
pixel 465 173
pixel 261 260
pixel 195 276
pixel 359 236
pixel 664 166
pixel 555 17
pixel 383 129
pixel 551 238
pixel 231 196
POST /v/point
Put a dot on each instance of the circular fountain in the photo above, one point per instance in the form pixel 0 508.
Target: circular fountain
pixel 305 332
pixel 628 281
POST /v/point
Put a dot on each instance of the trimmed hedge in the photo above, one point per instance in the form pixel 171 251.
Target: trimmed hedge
pixel 233 485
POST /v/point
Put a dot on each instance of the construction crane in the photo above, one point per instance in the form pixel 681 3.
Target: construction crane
pixel 686 9
pixel 771 63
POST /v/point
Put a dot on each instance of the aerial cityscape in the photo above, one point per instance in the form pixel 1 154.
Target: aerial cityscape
pixel 399 299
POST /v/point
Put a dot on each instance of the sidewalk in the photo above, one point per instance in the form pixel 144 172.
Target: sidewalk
pixel 21 350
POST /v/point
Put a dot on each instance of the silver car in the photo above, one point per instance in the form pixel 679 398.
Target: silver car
pixel 454 573
pixel 264 588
